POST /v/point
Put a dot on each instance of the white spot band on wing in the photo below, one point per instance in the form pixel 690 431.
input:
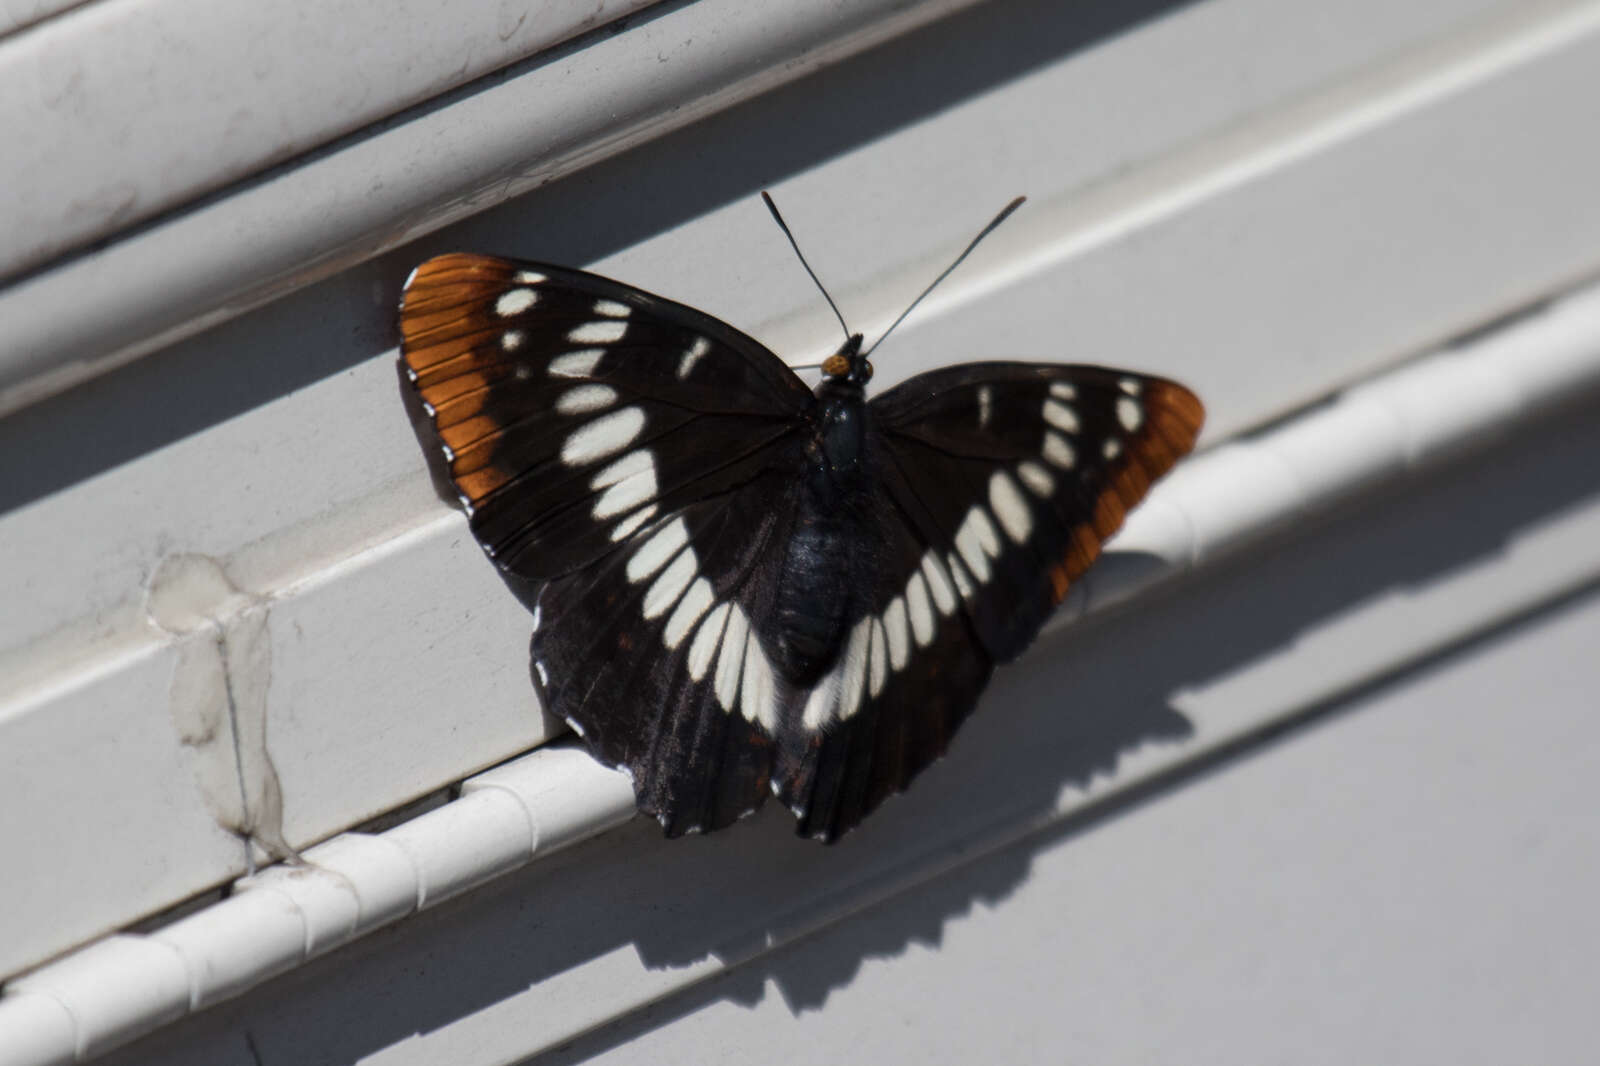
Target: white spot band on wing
pixel 1129 413
pixel 700 347
pixel 578 364
pixel 695 603
pixel 730 661
pixel 1006 500
pixel 706 641
pixel 585 399
pixel 1061 416
pixel 1058 451
pixel 605 436
pixel 598 332
pixel 660 546
pixel 666 589
pixel 515 302
pixel 1037 478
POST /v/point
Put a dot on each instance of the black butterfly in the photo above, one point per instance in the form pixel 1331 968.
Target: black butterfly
pixel 748 585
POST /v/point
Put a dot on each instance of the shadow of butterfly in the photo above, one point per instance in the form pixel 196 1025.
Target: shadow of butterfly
pixel 746 585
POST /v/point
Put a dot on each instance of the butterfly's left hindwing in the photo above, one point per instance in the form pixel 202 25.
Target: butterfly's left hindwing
pixel 574 410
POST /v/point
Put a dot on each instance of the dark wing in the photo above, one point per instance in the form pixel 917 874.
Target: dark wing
pixel 574 410
pixel 910 672
pixel 653 656
pixel 638 457
pixel 1016 473
pixel 998 483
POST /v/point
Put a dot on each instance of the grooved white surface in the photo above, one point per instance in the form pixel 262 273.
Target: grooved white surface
pixel 265 239
pixel 1266 205
pixel 122 109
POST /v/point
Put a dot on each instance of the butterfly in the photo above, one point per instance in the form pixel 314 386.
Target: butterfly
pixel 750 586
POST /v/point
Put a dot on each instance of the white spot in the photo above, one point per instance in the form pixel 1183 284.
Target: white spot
pixel 1131 386
pixel 1112 448
pixel 920 610
pixel 756 694
pixel 1129 414
pixel 706 640
pixel 626 467
pixel 731 661
pixel 515 302
pixel 630 525
pixel 605 436
pixel 976 540
pixel 1059 452
pixel 573 722
pixel 660 546
pixel 598 332
pixel 538 611
pixel 627 494
pixel 512 339
pixel 985 405
pixel 959 573
pixel 700 347
pixel 611 309
pixel 1009 506
pixel 1061 416
pixel 899 634
pixel 854 672
pixel 944 597
pixel 529 277
pixel 544 679
pixel 1037 478
pixel 877 660
pixel 695 603
pixel 666 589
pixel 821 703
pixel 586 398
pixel 576 364
pixel 1063 390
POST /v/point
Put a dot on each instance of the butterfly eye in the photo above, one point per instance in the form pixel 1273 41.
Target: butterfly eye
pixel 836 366
pixel 866 370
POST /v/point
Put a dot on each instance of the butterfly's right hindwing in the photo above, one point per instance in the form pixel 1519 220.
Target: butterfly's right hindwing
pixel 574 411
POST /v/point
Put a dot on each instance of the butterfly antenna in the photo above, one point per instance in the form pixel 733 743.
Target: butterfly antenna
pixel 990 228
pixel 801 255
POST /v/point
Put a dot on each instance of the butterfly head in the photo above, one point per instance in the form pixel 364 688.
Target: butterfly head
pixel 848 364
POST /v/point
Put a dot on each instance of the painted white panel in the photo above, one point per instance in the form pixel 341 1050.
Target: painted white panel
pixel 1388 887
pixel 122 109
pixel 100 811
pixel 1134 86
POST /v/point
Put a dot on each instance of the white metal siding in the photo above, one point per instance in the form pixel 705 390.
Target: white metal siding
pixel 1271 202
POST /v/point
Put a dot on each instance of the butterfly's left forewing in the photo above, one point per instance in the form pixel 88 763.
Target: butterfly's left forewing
pixel 1016 473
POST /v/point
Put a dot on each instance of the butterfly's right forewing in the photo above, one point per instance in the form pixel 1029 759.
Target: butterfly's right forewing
pixel 639 459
